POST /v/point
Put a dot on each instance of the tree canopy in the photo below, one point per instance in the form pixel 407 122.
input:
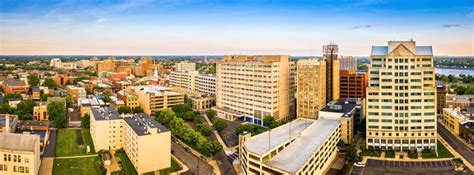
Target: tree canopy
pixel 33 80
pixel 49 82
pixel 85 121
pixel 24 109
pixel 57 114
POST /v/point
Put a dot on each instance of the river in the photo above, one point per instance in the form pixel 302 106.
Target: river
pixel 454 71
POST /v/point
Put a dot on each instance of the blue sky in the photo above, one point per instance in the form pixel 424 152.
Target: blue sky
pixel 298 27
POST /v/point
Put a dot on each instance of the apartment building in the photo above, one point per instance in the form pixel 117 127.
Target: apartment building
pixel 107 65
pixel 184 79
pixel 184 66
pixel 352 84
pixel 154 98
pixel 206 83
pixel 401 97
pixel 19 153
pixel 303 146
pixel 311 88
pixel 56 63
pixel 76 92
pixel 348 63
pixel 251 87
pixel 129 98
pixel 146 142
pixel 193 80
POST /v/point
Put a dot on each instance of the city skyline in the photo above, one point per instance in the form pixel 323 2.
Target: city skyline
pixel 204 27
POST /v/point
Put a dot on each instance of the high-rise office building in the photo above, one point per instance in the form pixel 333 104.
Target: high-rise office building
pixel 251 87
pixel 185 66
pixel 332 71
pixel 311 88
pixel 401 97
pixel 348 63
pixel 352 84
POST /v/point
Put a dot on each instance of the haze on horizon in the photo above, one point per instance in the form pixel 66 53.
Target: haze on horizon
pixel 210 27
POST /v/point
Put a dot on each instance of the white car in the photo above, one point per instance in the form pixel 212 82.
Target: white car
pixel 359 164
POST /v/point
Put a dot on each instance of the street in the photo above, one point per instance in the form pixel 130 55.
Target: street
pixel 456 144
pixel 191 161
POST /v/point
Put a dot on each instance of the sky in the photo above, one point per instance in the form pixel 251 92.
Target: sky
pixel 211 27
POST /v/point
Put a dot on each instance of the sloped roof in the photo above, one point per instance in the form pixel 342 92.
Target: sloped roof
pixel 383 50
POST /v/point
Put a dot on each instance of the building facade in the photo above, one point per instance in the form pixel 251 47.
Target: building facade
pixel 251 87
pixel 452 119
pixel 206 83
pixel 184 66
pixel 348 63
pixel 311 88
pixel 14 86
pixel 19 153
pixel 155 98
pixel 146 142
pixel 332 71
pixel 352 84
pixel 401 97
pixel 441 92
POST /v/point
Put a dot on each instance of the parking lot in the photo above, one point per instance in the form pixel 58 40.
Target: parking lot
pixel 376 167
pixel 228 134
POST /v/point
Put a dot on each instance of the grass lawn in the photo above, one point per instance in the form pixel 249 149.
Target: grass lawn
pixel 86 136
pixel 174 167
pixel 443 152
pixel 66 144
pixel 127 166
pixel 79 166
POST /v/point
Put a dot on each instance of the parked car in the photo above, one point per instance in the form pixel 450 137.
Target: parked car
pixel 359 164
pixel 187 149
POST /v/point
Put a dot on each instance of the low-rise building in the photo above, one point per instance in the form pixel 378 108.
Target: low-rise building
pixel 40 112
pixel 19 153
pixel 441 92
pixel 146 142
pixel 468 131
pixel 154 98
pixel 33 127
pixel 199 101
pixel 14 86
pixel 451 119
pixel 129 98
pixel 76 92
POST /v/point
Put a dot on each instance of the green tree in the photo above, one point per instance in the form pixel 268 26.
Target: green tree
pixel 57 114
pixel 181 109
pixel 49 82
pixel 213 147
pixel 219 125
pixel 211 113
pixel 124 110
pixel 85 121
pixel 165 116
pixel 204 129
pixel 24 109
pixel 138 109
pixel 33 80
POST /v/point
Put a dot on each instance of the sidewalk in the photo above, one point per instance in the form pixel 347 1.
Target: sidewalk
pixel 227 150
pixel 75 157
pixel 46 166
pixel 210 160
pixel 455 153
pixel 470 146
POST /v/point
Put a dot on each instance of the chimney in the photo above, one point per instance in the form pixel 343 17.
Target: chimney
pixel 7 123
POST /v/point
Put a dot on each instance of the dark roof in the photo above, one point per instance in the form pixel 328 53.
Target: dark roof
pixel 35 88
pixel 14 82
pixel 139 123
pixel 341 106
pixel 34 123
pixel 105 113
pixel 469 125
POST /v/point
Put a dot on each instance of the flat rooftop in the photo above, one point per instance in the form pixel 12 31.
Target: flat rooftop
pixel 264 142
pixel 141 122
pixel 304 145
pixel 19 142
pixel 455 113
pixel 341 106
pixel 158 90
pixel 105 113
